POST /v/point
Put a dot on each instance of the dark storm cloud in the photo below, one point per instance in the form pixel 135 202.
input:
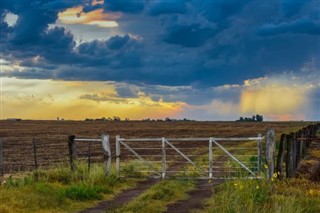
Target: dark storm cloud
pixel 302 26
pixel 129 6
pixel 193 35
pixel 160 7
pixel 197 43
pixel 291 8
pixel 118 42
pixel 221 10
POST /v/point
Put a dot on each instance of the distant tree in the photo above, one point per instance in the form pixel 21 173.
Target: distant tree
pixel 253 118
pixel 259 118
pixel 241 119
pixel 116 118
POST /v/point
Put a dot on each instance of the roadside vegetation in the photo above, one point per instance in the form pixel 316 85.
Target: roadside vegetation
pixel 291 195
pixel 59 190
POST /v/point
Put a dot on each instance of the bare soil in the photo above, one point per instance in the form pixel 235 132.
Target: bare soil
pixel 51 136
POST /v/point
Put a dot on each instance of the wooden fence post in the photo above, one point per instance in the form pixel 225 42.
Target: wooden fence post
pixel 307 135
pixel 281 153
pixel 299 142
pixel 107 150
pixel 118 155
pixel 294 151
pixel 289 162
pixel 72 152
pixel 270 148
pixel 1 156
pixel 164 160
pixel 304 142
pixel 259 153
pixel 35 153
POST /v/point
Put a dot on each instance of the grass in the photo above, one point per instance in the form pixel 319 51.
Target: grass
pixel 159 196
pixel 59 189
pixel 294 195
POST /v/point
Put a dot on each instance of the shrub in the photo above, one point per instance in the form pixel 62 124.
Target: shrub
pixel 83 192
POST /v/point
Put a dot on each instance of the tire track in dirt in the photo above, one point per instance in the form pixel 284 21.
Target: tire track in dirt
pixel 122 198
pixel 203 191
pixel 196 197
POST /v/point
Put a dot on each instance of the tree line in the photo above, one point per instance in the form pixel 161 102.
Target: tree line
pixel 254 118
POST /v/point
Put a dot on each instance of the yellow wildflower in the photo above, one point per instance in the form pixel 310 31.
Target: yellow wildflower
pixel 257 187
pixel 311 191
pixel 275 175
pixel 266 166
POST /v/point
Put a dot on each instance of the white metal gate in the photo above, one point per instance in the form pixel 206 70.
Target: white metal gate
pixel 202 157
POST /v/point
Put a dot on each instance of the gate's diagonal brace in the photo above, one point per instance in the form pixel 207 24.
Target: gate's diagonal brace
pixel 140 158
pixel 234 158
pixel 185 157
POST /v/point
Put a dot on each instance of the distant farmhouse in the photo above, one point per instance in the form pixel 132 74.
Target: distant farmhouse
pixel 254 118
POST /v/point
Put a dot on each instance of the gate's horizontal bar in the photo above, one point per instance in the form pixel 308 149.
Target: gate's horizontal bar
pixel 239 167
pixel 123 155
pixel 190 139
pixel 128 155
pixel 167 148
pixel 220 172
pixel 144 148
pixel 196 178
pixel 87 139
pixel 239 155
pixel 141 139
pixel 240 148
pixel 244 162
pixel 145 171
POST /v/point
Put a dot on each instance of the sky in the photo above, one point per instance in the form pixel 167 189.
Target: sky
pixel 137 59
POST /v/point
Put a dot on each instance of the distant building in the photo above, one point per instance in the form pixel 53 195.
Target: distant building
pixel 14 119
